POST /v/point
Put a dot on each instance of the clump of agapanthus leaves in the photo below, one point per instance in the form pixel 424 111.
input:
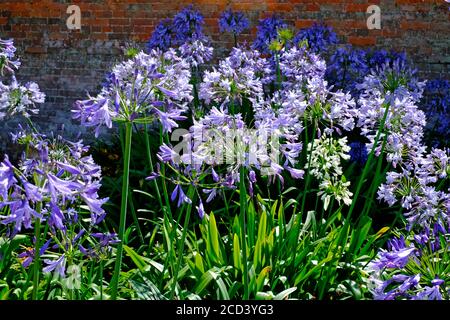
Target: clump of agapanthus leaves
pixel 53 190
pixel 15 98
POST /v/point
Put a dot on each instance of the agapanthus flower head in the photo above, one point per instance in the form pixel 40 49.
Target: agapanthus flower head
pixel 327 154
pixel 391 92
pixel 54 183
pixel 7 56
pixel 197 52
pixel 300 66
pixel 19 99
pixel 377 58
pixel 305 93
pixel 267 32
pixel 416 188
pixel 235 79
pixel 162 36
pixel 436 105
pixel 401 272
pixel 145 88
pixel 188 25
pixel 346 68
pixel 395 78
pixel 358 152
pixel 234 22
pixel 319 37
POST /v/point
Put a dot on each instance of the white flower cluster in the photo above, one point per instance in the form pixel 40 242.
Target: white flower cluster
pixel 325 164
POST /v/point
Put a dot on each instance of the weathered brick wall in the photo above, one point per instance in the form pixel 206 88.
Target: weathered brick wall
pixel 66 63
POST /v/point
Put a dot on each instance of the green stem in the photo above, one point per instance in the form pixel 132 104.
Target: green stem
pixel 135 217
pixel 368 163
pixel 150 161
pixel 32 125
pixel 278 86
pixel 123 209
pixel 308 175
pixel 36 263
pixel 101 279
pixel 180 255
pixel 195 81
pixel 243 207
pixel 298 218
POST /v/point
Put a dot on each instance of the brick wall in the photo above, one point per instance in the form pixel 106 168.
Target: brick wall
pixel 66 63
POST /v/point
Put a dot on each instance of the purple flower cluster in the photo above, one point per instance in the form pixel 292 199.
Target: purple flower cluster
pixel 145 88
pixel 197 52
pixel 233 22
pixel 348 66
pixel 358 152
pixel 19 99
pixel 16 98
pixel 436 105
pixel 56 184
pixel 392 88
pixel 186 26
pixel 227 138
pixel 7 56
pixel 267 32
pixel 162 36
pixel 407 270
pixel 237 76
pixel 419 185
pixel 308 95
pixel 319 37
pixel 416 187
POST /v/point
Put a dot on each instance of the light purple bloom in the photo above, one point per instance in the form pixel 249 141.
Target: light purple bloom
pixel 178 193
pixel 58 266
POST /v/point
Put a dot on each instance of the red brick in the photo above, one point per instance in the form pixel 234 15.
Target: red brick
pixel 37 50
pixel 415 25
pixel 362 41
pixel 300 24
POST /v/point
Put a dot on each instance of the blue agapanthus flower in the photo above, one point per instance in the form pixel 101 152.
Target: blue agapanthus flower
pixel 377 58
pixel 358 152
pixel 320 37
pixel 162 36
pixel 233 22
pixel 347 67
pixel 188 25
pixel 436 105
pixel 401 272
pixel 267 32
pixel 7 56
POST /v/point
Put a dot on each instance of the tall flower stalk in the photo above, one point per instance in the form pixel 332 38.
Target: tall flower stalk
pixel 123 209
pixel 144 89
